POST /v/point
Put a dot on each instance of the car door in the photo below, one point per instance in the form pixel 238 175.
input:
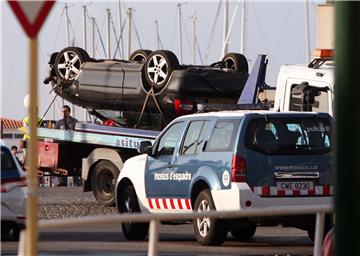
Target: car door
pixel 187 162
pixel 160 165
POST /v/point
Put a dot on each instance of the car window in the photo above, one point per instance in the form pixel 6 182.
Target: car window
pixel 223 135
pixel 168 140
pixel 7 161
pixel 289 135
pixel 194 138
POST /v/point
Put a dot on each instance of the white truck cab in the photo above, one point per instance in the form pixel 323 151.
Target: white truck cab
pixel 307 87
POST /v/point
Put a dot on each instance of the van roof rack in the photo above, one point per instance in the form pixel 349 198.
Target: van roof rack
pixel 208 107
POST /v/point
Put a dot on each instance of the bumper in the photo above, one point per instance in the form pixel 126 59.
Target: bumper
pixel 240 196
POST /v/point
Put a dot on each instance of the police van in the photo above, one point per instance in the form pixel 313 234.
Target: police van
pixel 231 160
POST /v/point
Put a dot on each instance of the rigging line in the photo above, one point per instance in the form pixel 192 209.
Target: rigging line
pixel 137 34
pixel 58 27
pixel 212 33
pixel 186 35
pixel 115 35
pixel 118 39
pixel 230 27
pixel 99 34
pixel 259 28
pixel 199 51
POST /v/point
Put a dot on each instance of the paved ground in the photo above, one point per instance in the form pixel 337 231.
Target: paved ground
pixel 61 202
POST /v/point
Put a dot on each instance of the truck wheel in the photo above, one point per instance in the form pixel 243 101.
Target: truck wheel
pixel 243 233
pixel 128 203
pixel 140 55
pixel 68 63
pixel 158 68
pixel 103 182
pixel 236 61
pixel 208 231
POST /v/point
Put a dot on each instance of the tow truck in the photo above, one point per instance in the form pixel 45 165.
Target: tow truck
pixel 97 152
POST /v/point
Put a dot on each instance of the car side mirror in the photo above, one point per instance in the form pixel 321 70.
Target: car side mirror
pixel 145 147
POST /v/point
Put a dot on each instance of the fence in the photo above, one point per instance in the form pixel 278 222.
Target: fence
pixel 155 219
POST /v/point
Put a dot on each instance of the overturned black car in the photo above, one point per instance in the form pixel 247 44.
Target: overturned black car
pixel 149 87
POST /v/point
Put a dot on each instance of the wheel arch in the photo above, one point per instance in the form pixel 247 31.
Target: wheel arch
pixel 121 186
pixel 205 178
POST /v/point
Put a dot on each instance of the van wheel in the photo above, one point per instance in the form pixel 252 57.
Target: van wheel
pixel 236 61
pixel 208 231
pixel 328 224
pixel 128 203
pixel 243 233
pixel 103 182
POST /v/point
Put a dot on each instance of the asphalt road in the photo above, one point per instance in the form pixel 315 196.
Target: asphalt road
pixel 61 202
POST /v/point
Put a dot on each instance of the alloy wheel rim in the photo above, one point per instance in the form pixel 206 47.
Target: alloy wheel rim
pixel 204 223
pixel 69 68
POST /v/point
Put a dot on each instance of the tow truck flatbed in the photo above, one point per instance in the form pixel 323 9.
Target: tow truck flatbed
pixel 100 135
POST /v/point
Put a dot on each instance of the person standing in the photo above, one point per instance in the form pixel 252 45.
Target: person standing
pixel 66 123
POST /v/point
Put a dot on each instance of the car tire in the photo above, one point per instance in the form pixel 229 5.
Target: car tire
pixel 140 55
pixel 128 203
pixel 236 61
pixel 68 63
pixel 158 68
pixel 328 224
pixel 104 178
pixel 243 233
pixel 208 231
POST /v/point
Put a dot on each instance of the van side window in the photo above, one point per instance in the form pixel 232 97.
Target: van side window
pixel 224 135
pixel 194 138
pixel 168 140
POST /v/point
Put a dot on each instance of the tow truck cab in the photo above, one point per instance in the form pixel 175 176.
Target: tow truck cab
pixel 307 88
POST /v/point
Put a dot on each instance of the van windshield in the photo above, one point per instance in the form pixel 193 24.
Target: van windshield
pixel 280 135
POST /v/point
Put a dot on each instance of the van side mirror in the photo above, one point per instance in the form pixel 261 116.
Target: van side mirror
pixel 145 147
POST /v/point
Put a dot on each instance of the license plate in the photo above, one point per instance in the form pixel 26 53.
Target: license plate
pixel 295 185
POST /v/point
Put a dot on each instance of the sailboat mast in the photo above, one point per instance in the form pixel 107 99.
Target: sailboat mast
pixel 67 25
pixel 108 53
pixel 180 34
pixel 120 29
pixel 226 14
pixel 84 27
pixel 242 31
pixel 130 32
pixel 194 18
pixel 307 36
pixel 93 37
pixel 157 34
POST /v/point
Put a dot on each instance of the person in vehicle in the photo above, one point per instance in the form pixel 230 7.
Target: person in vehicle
pixel 67 122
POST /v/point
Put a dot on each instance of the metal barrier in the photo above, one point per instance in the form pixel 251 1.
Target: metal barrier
pixel 155 219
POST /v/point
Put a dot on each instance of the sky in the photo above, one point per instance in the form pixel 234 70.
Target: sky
pixel 273 28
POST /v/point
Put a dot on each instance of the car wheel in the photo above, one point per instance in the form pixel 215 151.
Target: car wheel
pixel 68 63
pixel 140 55
pixel 243 233
pixel 103 182
pixel 327 227
pixel 236 61
pixel 158 68
pixel 128 203
pixel 208 231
